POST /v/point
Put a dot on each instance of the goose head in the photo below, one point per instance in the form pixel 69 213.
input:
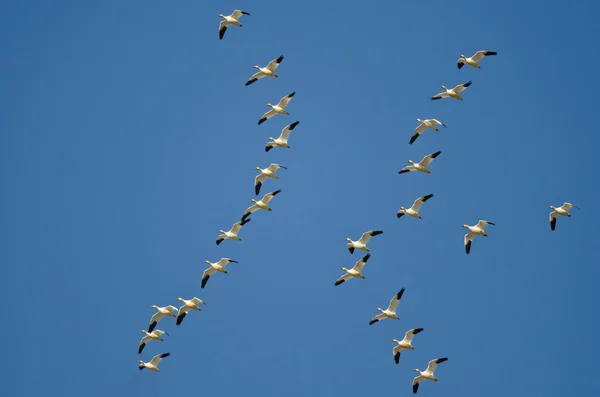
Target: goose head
pixel 417 370
pixel 141 363
pixel 444 88
pixel 208 262
pixel 254 201
pixel 466 226
pixel 411 162
pixel 380 309
pixel 154 307
pixel 269 105
pixel 402 208
pixel 258 169
pixel 271 138
pixel 348 240
pixel 221 231
pixel 143 331
pixel 256 67
pixel 419 120
pixel 395 340
pixel 462 56
pixel 222 16
pixel 552 207
pixel 344 269
pixel 181 299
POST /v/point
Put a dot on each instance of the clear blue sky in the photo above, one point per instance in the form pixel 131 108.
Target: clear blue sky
pixel 128 139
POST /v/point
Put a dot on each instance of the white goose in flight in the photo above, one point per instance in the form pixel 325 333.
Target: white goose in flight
pixel 265 173
pixel 188 305
pixel 390 312
pixel 404 344
pixel 361 244
pixel 215 267
pixel 167 311
pixel 262 204
pixel 355 271
pixel 414 210
pixel 264 72
pixel 429 124
pixel 477 230
pixel 453 93
pixel 563 210
pixel 153 364
pixel 428 373
pixel 232 19
pixel 282 141
pixel 150 336
pixel 474 60
pixel 277 109
pixel 421 165
pixel 233 233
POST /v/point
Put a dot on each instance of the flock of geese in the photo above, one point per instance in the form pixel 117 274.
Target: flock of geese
pixel 361 244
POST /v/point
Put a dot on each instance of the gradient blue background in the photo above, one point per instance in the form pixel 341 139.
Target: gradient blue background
pixel 128 139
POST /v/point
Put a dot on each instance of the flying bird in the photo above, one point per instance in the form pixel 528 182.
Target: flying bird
pixel 355 271
pixel 563 210
pixel 277 109
pixel 282 141
pixel 233 233
pixel 474 60
pixel 428 373
pixel 232 19
pixel 188 305
pixel 265 173
pixel 430 124
pixel 262 204
pixel 421 165
pixel 153 364
pixel 453 93
pixel 477 230
pixel 404 344
pixel 167 311
pixel 390 312
pixel 215 267
pixel 150 336
pixel 268 71
pixel 361 244
pixel 414 210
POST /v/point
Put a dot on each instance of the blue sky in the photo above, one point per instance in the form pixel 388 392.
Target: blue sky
pixel 128 139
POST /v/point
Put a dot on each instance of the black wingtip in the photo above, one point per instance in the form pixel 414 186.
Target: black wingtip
pixel 244 221
pixel 468 247
pixel 268 147
pixel 399 294
pixel 141 348
pixel 366 257
pixel 427 197
pixel 376 233
pixel 435 98
pixel 257 188
pixel 468 84
pixel 434 155
pixel 397 357
pixel 553 224
pixel 403 171
pixel 165 355
pixel 180 318
pixel 417 330
pixel 415 388
pixel 491 53
pixel 293 125
pixel 399 214
pixel 292 94
pixel 250 82
pixel 261 121
pixel 204 281
pixel 276 192
pixel 280 59
pixel 351 249
pixel 460 65
pixel 219 240
pixel 151 327
pixel 372 322
pixel 413 138
pixel 339 282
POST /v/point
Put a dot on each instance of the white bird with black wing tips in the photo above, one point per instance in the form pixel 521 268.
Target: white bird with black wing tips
pixel 268 71
pixel 150 336
pixel 282 141
pixel 390 312
pixel 563 210
pixel 428 373
pixel 429 124
pixel 414 210
pixel 474 231
pixel 233 233
pixel 188 305
pixel 422 165
pixel 167 311
pixel 361 244
pixel 214 268
pixel 262 204
pixel 355 272
pixel 404 344
pixel 265 173
pixel 153 364
pixel 453 93
pixel 277 109
pixel 474 60
pixel 232 19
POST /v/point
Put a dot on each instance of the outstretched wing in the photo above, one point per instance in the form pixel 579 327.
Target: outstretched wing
pixel 206 275
pixel 440 96
pixel 156 359
pixel 406 169
pixel 267 197
pixel 480 54
pixel 267 116
pixel 358 266
pixel 342 279
pixel 395 300
pixel 255 77
pixel 366 236
pixel 376 318
pixel 468 239
pixel 408 336
pixel 429 158
pixel 434 363
pixel 238 13
pixel 286 99
pixel 274 63
pixel 222 29
pixel 461 87
pixel 419 202
pixel 285 133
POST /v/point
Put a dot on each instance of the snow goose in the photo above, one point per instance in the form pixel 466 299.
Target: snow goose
pixel 262 204
pixel 414 210
pixel 474 60
pixel 430 124
pixel 421 165
pixel 232 19
pixel 168 311
pixel 453 93
pixel 361 244
pixel 404 344
pixel 233 233
pixel 215 267
pixel 428 373
pixel 265 173
pixel 154 335
pixel 277 109
pixel 355 271
pixel 560 211
pixel 153 364
pixel 267 71
pixel 188 305
pixel 390 312
pixel 282 141
pixel 478 229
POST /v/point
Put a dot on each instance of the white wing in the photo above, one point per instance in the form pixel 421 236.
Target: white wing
pixel 273 167
pixel 251 209
pixel 274 63
pixel 438 122
pixel 434 363
pixel 479 55
pixel 408 168
pixel 361 263
pixel 417 204
pixel 469 237
pixel 224 261
pixel 482 224
pixel 461 87
pixel 440 95
pixel 156 359
pixel 260 178
pixel 366 236
pixel 235 229
pixel 409 335
pixel 285 133
pixel 426 160
pixel 145 339
pixel 378 318
pixel 420 129
pixel 268 115
pixel 237 14
pixel 267 197
pixel 285 100
pixel 394 302
pixel 197 301
pixel 156 317
pixel 256 76
pixel 342 279
pixel 567 206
